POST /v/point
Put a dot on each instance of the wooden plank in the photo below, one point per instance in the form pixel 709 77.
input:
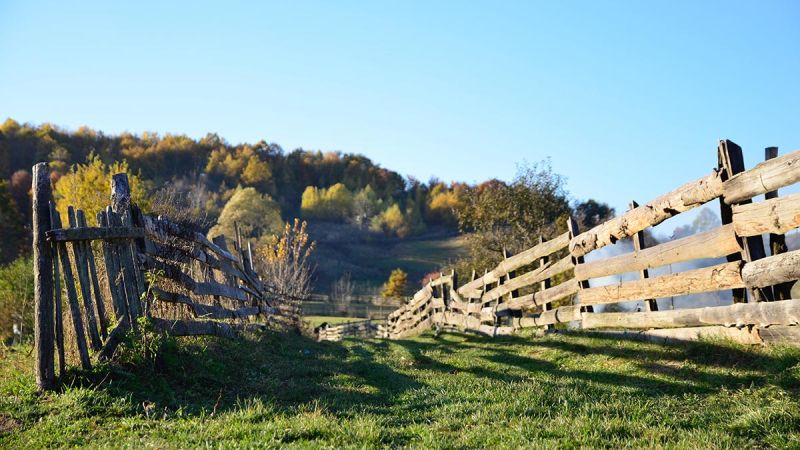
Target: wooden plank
pixel 777 215
pixel 94 233
pixel 206 311
pixel 72 300
pixel 765 177
pixel 730 162
pixel 111 262
pixel 162 229
pixel 175 273
pixel 79 257
pixel 785 335
pixel 535 276
pixel 473 288
pixel 59 314
pixel 715 243
pixel 126 268
pixel 772 270
pixel 563 314
pixel 95 283
pixel 682 199
pixel 762 314
pixel 202 328
pixel 707 279
pixel 44 326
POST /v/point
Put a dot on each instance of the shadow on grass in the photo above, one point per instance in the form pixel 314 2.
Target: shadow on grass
pixel 206 375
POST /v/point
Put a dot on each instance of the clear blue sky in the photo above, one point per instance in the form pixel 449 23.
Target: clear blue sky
pixel 625 97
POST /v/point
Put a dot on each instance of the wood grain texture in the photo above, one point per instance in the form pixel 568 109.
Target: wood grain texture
pixel 708 279
pixel 778 215
pixel 772 270
pixel 765 177
pixel 762 314
pixel 44 331
pixel 715 243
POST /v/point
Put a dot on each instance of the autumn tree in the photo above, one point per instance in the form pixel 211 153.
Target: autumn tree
pixel 396 286
pixel 88 187
pixel 512 216
pixel 257 216
pixel 333 203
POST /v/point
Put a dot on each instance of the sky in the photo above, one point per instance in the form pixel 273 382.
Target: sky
pixel 627 98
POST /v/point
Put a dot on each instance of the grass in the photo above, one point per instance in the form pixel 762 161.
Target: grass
pixel 450 391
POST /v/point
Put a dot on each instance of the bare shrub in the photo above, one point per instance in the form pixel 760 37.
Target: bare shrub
pixel 342 293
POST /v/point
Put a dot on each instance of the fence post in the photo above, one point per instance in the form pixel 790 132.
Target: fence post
pixel 43 279
pixel 638 245
pixel 574 230
pixel 730 158
pixel 545 284
pixel 777 242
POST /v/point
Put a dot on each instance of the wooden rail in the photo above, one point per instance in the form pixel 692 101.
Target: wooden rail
pixel 518 292
pixel 140 266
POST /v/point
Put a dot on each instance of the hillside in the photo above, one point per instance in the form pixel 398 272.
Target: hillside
pixel 369 258
pixel 446 392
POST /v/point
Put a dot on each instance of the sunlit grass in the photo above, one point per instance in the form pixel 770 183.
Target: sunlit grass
pixel 449 391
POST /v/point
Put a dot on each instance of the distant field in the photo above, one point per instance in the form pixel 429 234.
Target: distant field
pixel 450 391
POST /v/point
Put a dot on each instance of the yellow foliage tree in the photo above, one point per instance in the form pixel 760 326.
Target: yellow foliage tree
pixel 256 215
pixel 257 172
pixel 335 202
pixel 391 221
pixel 397 285
pixel 88 187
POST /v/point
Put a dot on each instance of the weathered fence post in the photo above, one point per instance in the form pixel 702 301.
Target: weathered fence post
pixel 43 279
pixel 638 245
pixel 777 242
pixel 574 230
pixel 545 284
pixel 730 158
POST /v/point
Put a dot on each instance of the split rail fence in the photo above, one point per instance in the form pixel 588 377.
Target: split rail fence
pixel 129 266
pixel 552 283
pixel 361 329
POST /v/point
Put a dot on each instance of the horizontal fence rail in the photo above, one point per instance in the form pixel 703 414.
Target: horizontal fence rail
pixel 522 290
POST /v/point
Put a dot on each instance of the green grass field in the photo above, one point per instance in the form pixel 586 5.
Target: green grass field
pixel 314 321
pixel 450 391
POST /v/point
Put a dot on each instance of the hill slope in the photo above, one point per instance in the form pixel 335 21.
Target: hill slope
pixel 445 392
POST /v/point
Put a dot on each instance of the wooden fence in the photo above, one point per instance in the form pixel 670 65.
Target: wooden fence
pixel 132 265
pixel 360 329
pixel 521 291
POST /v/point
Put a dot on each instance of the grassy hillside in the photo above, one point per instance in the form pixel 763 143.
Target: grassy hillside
pixel 370 258
pixel 447 392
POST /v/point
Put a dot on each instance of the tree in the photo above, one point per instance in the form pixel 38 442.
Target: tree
pixel 591 213
pixel 257 173
pixel 397 285
pixel 391 221
pixel 257 216
pixel 88 187
pixel 366 205
pixel 342 292
pixel 333 203
pixel 285 266
pixel 20 188
pixel 512 216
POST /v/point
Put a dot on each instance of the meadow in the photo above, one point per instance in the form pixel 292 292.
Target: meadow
pixel 445 391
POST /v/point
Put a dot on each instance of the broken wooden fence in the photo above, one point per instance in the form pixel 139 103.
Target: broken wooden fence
pixel 521 290
pixel 131 265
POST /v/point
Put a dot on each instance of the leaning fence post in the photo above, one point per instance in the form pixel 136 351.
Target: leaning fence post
pixel 43 279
